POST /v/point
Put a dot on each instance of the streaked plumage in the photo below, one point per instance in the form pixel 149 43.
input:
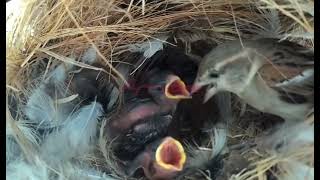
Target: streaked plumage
pixel 272 76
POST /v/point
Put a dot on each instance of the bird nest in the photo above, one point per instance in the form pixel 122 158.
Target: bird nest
pixel 48 33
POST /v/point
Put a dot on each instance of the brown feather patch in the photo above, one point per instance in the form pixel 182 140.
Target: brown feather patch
pixel 274 74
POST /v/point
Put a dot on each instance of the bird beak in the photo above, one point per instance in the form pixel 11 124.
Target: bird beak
pixel 176 89
pixel 170 155
pixel 211 91
pixel 196 87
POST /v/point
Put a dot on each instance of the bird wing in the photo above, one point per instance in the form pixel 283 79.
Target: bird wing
pixel 288 67
pixel 275 74
pixel 294 84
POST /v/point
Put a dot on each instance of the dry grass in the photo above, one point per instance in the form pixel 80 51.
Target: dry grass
pixel 60 30
pixel 65 28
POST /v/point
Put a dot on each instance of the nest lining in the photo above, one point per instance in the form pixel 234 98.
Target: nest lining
pixel 56 30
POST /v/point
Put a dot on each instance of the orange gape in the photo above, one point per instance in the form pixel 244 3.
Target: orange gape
pixel 170 155
pixel 176 89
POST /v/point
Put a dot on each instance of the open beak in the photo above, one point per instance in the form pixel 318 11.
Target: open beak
pixel 211 91
pixel 197 85
pixel 176 89
pixel 170 155
pixel 195 88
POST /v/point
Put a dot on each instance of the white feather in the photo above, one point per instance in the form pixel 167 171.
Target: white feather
pixel 20 137
pixel 199 157
pixel 218 134
pixel 59 74
pixel 271 25
pixel 20 169
pixel 76 171
pixel 39 170
pixel 304 35
pixel 219 140
pixel 289 138
pixel 304 5
pixel 114 96
pixel 149 48
pixel 43 110
pixel 24 128
pixel 75 138
pixel 308 7
pixel 307 74
pixel 90 56
pixel 296 171
pixel 292 145
pixel 13 150
pixel 223 101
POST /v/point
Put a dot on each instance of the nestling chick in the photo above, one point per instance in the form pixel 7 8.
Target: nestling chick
pixel 143 119
pixel 131 143
pixel 165 90
pixel 162 159
pixel 177 162
pixel 274 77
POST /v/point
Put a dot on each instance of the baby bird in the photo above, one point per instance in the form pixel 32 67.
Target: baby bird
pixel 274 77
pixel 161 160
pixel 165 90
pixel 144 119
pixel 129 144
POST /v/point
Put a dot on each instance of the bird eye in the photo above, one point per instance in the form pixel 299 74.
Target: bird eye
pixel 214 75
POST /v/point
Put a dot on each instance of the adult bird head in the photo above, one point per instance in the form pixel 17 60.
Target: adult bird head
pixel 222 72
pixel 162 159
pixel 210 79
